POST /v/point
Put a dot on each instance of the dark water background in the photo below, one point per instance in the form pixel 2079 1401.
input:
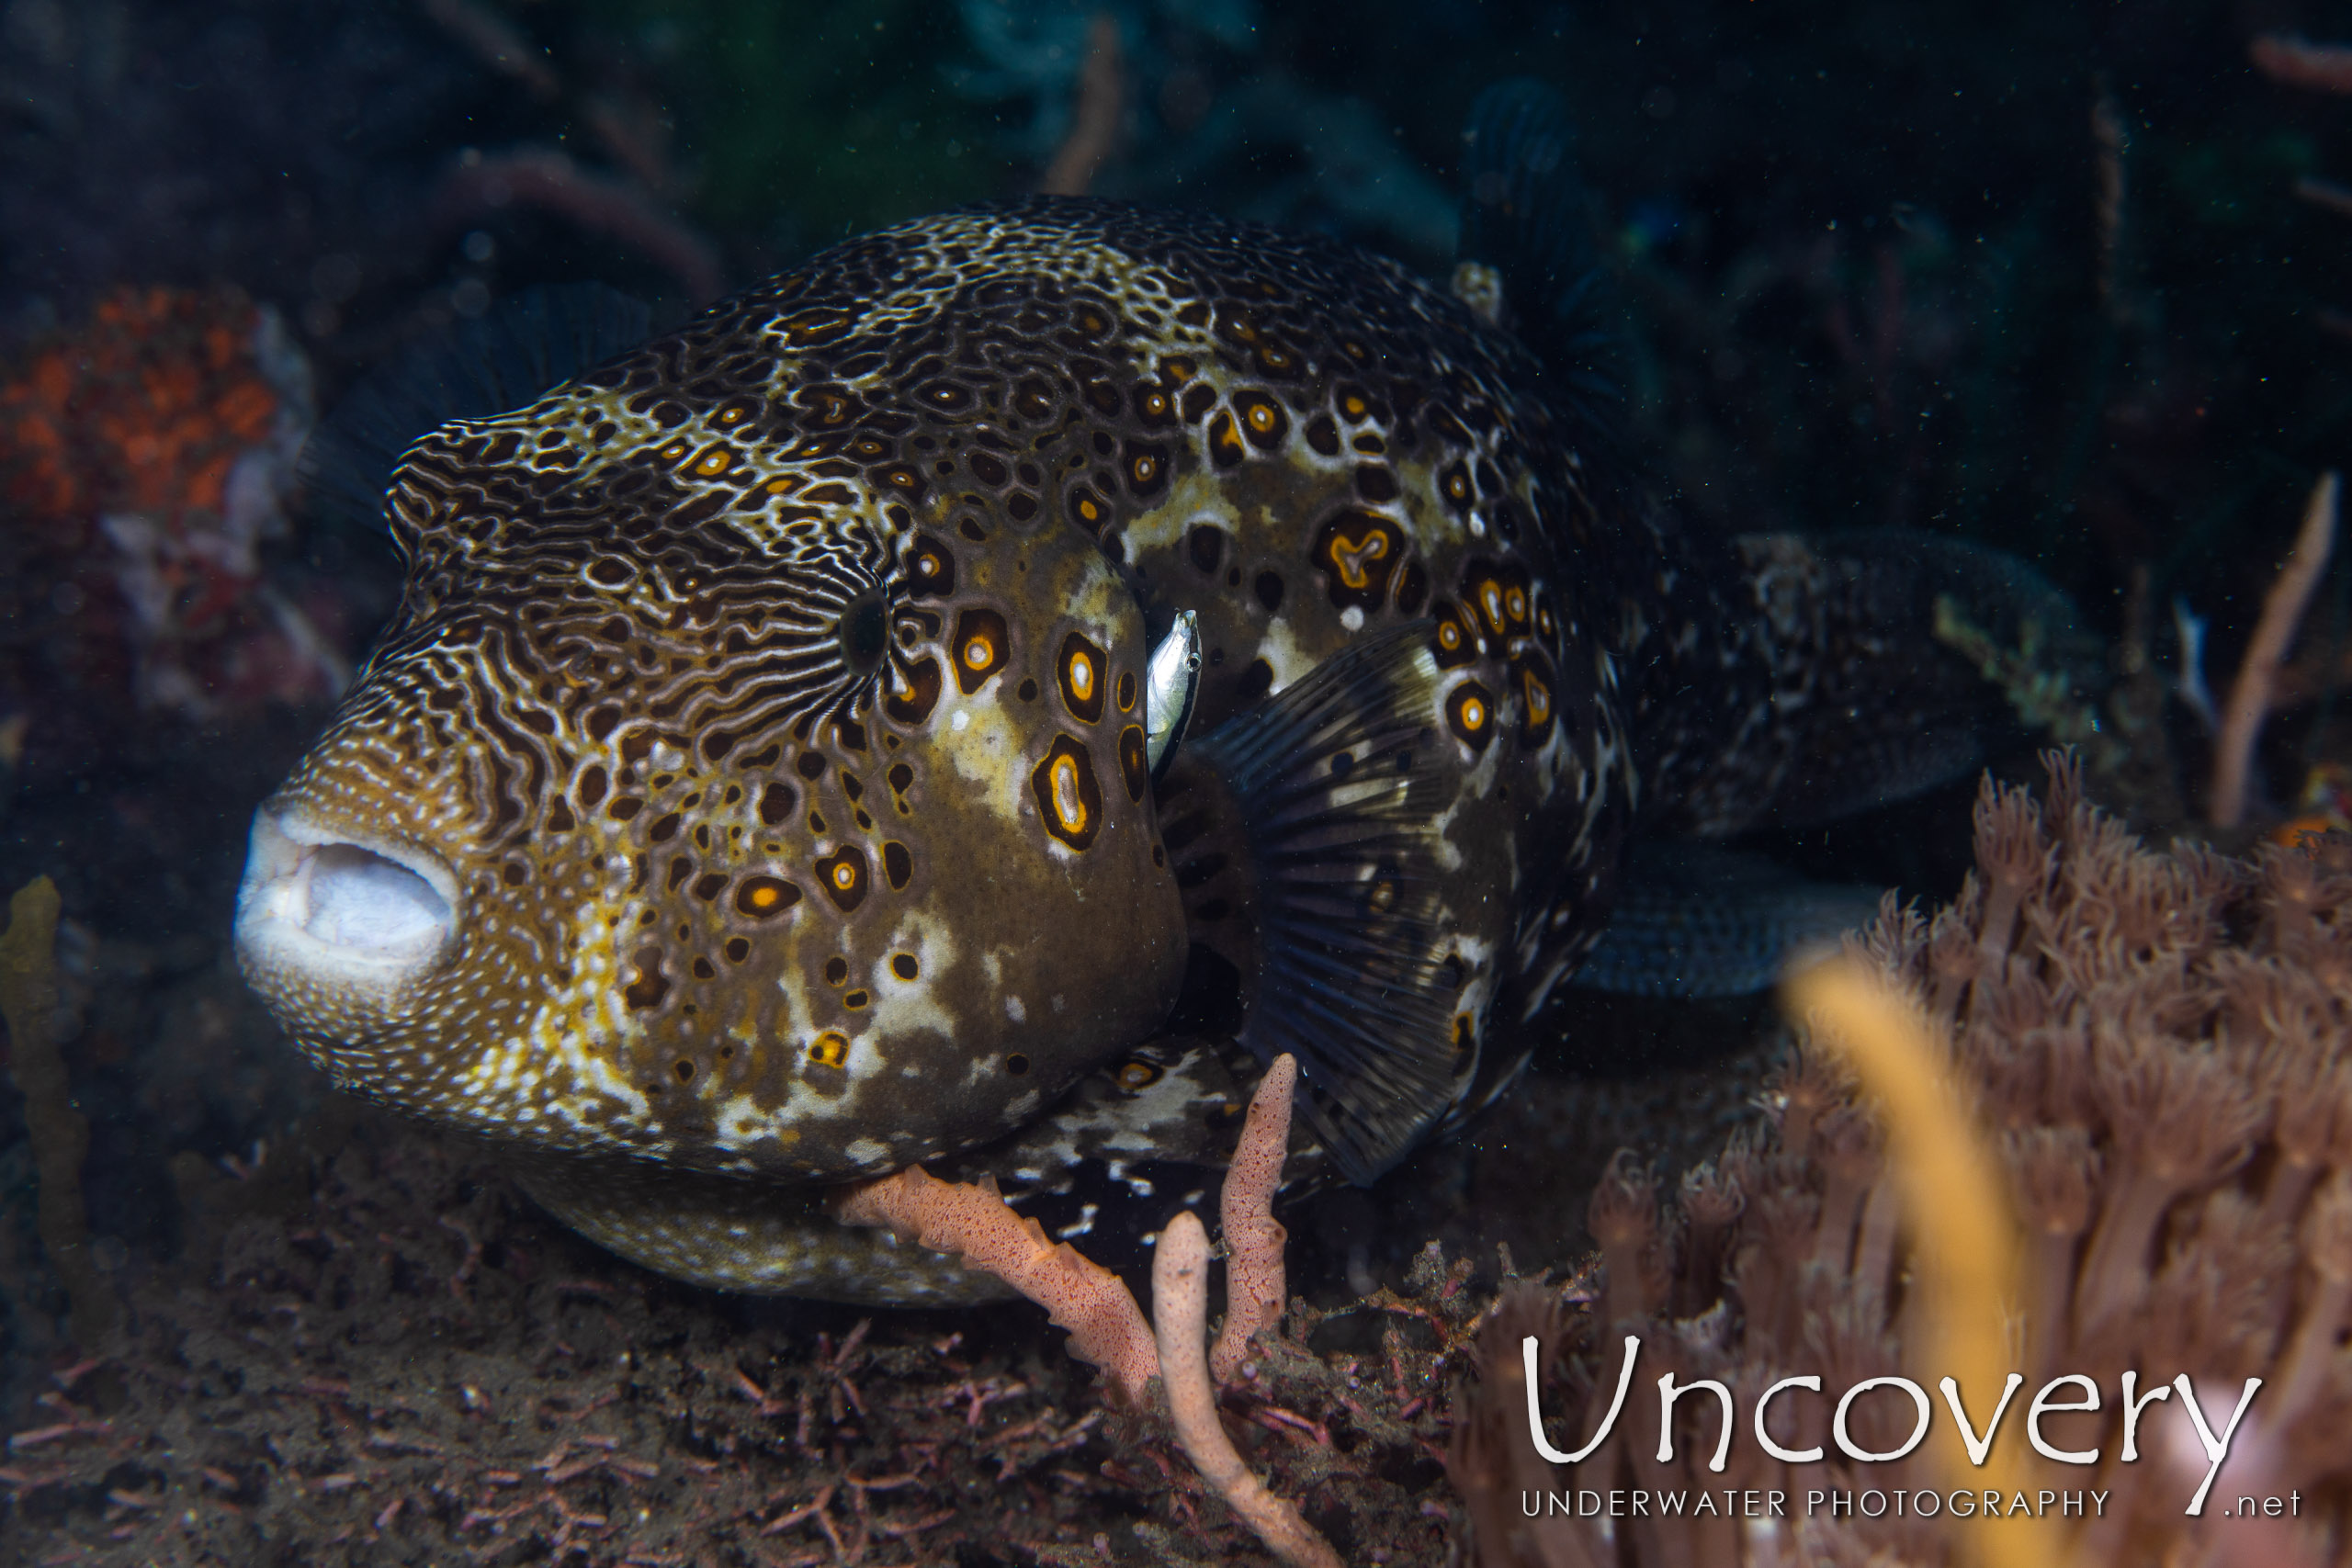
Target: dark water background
pixel 2075 281
pixel 1860 254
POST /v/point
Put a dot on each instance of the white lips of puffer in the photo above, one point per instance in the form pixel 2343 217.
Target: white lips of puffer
pixel 317 906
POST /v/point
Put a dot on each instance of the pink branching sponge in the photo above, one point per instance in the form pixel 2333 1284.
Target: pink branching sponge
pixel 1179 1298
pixel 1254 1281
pixel 1105 1325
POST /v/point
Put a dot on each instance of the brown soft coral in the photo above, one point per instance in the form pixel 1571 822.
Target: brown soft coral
pixel 2158 1046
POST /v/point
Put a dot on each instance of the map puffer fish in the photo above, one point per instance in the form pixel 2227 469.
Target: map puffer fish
pixel 754 789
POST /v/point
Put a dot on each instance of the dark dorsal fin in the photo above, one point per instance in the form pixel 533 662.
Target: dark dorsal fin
pixel 1525 215
pixel 527 342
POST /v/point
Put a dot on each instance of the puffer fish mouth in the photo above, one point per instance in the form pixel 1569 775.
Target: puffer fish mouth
pixel 339 908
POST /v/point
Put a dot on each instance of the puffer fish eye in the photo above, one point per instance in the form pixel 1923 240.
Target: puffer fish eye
pixel 865 632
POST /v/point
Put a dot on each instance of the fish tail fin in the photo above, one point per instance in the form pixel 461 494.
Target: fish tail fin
pixel 1528 261
pixel 1874 664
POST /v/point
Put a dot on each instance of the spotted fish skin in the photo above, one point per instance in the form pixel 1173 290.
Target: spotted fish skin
pixel 766 705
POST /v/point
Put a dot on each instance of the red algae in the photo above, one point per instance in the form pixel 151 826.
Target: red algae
pixel 146 409
pixel 146 456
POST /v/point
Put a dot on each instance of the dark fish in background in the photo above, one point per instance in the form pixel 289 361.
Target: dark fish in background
pixel 767 780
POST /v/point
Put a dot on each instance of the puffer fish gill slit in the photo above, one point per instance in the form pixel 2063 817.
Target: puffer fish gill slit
pixel 751 793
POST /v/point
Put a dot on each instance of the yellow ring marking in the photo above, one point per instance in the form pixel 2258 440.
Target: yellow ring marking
pixel 1349 555
pixel 1067 804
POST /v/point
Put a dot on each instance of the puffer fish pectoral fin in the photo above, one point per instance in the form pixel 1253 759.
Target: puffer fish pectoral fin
pixel 1527 260
pixel 1172 685
pixel 1340 781
pixel 1694 920
pixel 526 344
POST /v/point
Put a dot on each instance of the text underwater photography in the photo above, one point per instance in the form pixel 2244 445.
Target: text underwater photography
pixel 1754 1502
